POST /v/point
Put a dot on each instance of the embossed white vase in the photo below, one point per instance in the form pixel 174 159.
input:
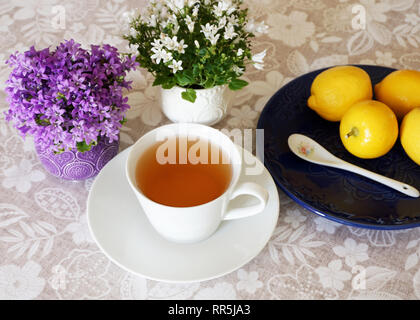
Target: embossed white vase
pixel 209 108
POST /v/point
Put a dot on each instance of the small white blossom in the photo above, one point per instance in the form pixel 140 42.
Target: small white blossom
pixel 258 59
pixel 196 44
pixel 131 15
pixel 170 43
pixel 210 33
pixel 133 32
pixel 222 22
pixel 259 66
pixel 217 11
pixel 157 44
pixel 190 23
pixel 181 46
pixel 192 2
pixel 208 29
pixel 175 4
pixel 239 71
pixel 233 20
pixel 230 32
pixel 213 39
pixel 161 54
pixel 223 6
pixel 176 66
pixel 195 11
pixel 152 21
pixel 240 52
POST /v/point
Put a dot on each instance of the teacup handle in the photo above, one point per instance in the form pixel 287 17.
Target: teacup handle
pixel 252 189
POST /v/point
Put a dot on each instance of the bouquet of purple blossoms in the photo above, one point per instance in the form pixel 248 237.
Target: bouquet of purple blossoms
pixel 68 98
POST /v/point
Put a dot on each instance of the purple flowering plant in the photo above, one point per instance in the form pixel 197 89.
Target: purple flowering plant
pixel 68 98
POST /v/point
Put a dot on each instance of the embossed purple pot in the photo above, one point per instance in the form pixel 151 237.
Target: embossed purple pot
pixel 75 165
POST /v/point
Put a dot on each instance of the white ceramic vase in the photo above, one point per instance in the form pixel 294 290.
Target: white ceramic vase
pixel 209 108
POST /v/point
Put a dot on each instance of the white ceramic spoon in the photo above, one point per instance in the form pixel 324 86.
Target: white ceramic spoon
pixel 309 150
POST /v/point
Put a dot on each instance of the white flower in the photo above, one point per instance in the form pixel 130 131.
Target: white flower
pixel 240 52
pixel 181 46
pixel 157 44
pixel 239 71
pixel 80 231
pixel 195 11
pixel 332 276
pixel 196 44
pixel 18 283
pixel 209 30
pixel 190 23
pixel 223 6
pixel 326 225
pixel 176 66
pixel 161 54
pixel 217 11
pixel 233 20
pixel 230 32
pixel 385 58
pixel 258 59
pixel 171 44
pixel 210 33
pixel 352 252
pixel 213 39
pixel 21 177
pixel 294 218
pixel 152 21
pixel 222 22
pixel 248 281
pixel 221 291
pixel 175 4
pixel 293 29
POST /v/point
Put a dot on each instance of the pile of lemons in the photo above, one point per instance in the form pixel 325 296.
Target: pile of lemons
pixel 369 128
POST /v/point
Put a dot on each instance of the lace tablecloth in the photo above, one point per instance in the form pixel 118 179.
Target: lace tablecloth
pixel 43 227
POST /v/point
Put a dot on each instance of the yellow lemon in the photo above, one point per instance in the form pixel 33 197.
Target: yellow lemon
pixel 369 129
pixel 410 134
pixel 400 91
pixel 334 90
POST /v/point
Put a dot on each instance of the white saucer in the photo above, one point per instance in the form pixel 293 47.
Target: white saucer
pixel 122 231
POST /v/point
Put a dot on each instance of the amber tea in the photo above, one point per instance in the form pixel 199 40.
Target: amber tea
pixel 183 173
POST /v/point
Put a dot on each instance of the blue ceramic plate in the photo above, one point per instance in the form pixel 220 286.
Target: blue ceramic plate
pixel 332 193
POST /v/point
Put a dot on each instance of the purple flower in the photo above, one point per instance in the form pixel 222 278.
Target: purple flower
pixel 69 97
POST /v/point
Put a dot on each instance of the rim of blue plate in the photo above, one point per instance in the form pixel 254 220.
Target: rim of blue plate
pixel 302 202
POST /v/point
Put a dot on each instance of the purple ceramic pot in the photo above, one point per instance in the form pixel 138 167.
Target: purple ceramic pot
pixel 75 165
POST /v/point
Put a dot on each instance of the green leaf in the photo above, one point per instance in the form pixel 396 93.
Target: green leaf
pixel 209 83
pixel 189 95
pixel 184 79
pixel 83 146
pixel 202 52
pixel 159 80
pixel 237 84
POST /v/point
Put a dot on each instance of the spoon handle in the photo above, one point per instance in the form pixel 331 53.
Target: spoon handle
pixel 394 184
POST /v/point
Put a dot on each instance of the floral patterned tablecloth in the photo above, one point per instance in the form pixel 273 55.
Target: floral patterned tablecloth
pixel 43 227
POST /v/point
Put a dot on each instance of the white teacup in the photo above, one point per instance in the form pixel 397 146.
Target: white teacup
pixel 196 223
